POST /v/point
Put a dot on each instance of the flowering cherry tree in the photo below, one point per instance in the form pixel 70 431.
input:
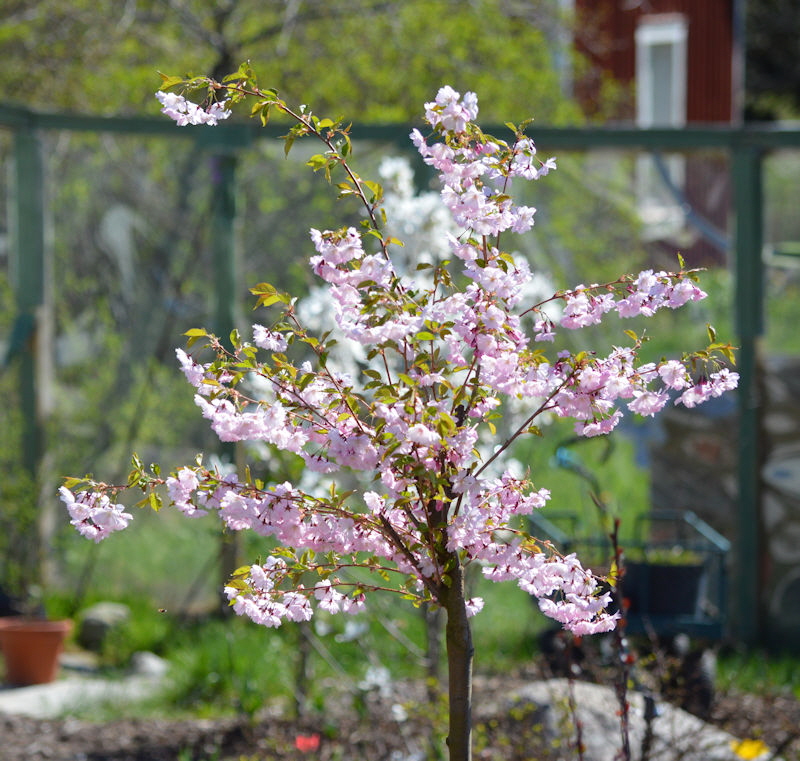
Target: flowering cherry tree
pixel 444 348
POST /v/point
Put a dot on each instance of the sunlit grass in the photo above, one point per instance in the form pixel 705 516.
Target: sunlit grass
pixel 759 672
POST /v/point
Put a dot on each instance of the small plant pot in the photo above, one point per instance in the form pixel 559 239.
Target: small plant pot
pixel 663 589
pixel 31 648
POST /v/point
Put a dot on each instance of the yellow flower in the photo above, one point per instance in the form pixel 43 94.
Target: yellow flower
pixel 749 749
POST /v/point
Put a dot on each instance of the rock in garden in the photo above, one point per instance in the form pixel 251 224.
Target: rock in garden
pixel 98 620
pixel 672 734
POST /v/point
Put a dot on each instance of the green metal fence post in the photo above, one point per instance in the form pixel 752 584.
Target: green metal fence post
pixel 749 295
pixel 223 241
pixel 31 340
pixel 28 257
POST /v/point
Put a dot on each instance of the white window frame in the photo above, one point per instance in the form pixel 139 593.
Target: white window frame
pixel 660 211
pixel 665 29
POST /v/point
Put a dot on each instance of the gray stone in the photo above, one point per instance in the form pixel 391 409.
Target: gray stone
pixel 148 664
pixel 76 694
pixel 97 621
pixel 675 734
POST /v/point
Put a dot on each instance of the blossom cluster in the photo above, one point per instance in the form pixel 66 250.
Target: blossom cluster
pixel 285 513
pixel 93 514
pixel 184 112
pixel 440 361
pixel 644 296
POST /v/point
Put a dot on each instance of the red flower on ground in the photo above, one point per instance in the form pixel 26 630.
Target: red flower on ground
pixel 307 743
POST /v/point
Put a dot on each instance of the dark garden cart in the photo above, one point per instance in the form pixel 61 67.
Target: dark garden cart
pixel 671 586
pixel 674 565
pixel 674 577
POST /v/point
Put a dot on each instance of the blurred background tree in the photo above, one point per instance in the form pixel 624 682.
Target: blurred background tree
pixel 374 60
pixel 773 66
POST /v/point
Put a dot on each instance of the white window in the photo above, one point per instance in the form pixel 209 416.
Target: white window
pixel 661 71
pixel 661 45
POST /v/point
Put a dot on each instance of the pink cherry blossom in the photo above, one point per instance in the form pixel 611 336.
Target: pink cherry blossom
pixel 184 112
pixel 93 514
pixel 268 339
pixel 451 111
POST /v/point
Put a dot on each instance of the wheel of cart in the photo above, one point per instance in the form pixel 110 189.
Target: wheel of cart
pixel 671 586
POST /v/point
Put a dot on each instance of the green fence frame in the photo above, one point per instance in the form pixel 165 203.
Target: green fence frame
pixel 746 145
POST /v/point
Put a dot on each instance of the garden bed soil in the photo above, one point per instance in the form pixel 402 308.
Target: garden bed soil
pixel 377 735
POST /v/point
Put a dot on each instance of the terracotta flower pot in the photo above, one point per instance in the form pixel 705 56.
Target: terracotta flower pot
pixel 31 648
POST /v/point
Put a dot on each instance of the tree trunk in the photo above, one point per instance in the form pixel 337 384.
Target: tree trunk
pixel 458 639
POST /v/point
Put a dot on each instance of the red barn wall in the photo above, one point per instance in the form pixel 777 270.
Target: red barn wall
pixel 605 34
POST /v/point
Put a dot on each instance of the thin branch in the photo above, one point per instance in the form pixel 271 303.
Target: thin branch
pixel 542 407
